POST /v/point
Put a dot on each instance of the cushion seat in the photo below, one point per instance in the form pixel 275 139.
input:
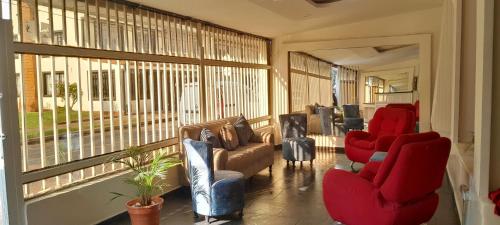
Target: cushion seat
pixel 299 149
pixel 368 144
pixel 227 175
pixel 247 155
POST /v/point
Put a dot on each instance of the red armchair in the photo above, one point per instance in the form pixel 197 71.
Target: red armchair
pixel 406 106
pixel 399 190
pixel 386 125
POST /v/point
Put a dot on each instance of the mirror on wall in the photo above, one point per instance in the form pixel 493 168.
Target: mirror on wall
pixel 374 76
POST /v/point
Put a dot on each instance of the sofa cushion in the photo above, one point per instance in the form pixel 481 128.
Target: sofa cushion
pixel 229 137
pixel 243 130
pixel 208 136
pixel 246 156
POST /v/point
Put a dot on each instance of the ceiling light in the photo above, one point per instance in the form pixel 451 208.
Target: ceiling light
pixel 322 3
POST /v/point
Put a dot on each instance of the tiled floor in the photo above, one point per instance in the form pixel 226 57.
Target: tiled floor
pixel 292 196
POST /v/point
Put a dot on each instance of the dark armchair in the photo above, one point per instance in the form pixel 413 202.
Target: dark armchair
pixel 352 118
pixel 296 145
pixel 214 193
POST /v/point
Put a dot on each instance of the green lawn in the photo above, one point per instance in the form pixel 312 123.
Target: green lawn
pixel 32 122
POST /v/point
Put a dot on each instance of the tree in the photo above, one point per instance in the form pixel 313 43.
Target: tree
pixel 72 93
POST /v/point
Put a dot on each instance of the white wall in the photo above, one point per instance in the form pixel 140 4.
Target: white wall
pixel 88 203
pixel 467 71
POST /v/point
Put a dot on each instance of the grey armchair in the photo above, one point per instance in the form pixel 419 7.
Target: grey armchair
pixel 214 193
pixel 352 118
pixel 296 145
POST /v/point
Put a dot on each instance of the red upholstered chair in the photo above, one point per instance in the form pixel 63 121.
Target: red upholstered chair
pixel 406 106
pixel 417 110
pixel 402 189
pixel 386 125
pixel 412 107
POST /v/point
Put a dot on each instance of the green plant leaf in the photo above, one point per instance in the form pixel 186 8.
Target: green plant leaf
pixel 148 172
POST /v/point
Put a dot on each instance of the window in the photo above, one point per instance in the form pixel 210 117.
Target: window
pixel 59 37
pixel 150 102
pixel 105 85
pixel 313 73
pixel 373 86
pixel 47 82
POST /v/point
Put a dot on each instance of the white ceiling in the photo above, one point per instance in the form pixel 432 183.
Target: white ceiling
pixel 367 57
pixel 273 18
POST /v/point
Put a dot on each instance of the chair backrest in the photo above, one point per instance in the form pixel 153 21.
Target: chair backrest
pixel 406 106
pixel 351 111
pixel 201 170
pixel 415 169
pixel 391 121
pixel 293 125
pixel 393 153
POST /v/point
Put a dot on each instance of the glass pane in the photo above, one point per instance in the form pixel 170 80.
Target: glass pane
pixel 15 19
pixel 103 34
pixel 93 24
pixel 71 23
pixel 29 23
pixel 44 26
pixel 57 20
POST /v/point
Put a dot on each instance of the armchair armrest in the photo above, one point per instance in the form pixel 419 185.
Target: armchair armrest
pixel 370 170
pixel 384 143
pixel 341 188
pixel 357 134
pixel 220 158
pixel 345 181
pixel 263 137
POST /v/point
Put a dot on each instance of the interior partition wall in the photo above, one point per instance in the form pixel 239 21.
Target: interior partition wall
pixel 310 81
pixel 97 76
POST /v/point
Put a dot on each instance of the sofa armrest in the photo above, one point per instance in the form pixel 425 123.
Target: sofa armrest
pixel 220 158
pixel 263 137
pixel 384 143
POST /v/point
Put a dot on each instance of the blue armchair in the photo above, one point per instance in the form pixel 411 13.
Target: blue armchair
pixel 213 193
pixel 295 145
pixel 352 118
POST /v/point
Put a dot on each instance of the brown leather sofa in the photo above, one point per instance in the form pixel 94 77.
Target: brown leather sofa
pixel 249 159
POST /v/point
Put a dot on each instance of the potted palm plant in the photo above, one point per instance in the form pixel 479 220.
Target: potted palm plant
pixel 148 172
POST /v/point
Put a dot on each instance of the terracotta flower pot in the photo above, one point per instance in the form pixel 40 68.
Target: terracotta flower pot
pixel 148 215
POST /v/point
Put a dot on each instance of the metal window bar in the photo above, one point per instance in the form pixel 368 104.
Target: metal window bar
pixel 95 23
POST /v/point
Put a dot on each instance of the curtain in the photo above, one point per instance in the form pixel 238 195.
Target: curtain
pixel 348 85
pixel 441 105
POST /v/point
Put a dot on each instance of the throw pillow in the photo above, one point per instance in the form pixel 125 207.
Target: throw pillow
pixel 208 136
pixel 229 137
pixel 316 108
pixel 243 130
